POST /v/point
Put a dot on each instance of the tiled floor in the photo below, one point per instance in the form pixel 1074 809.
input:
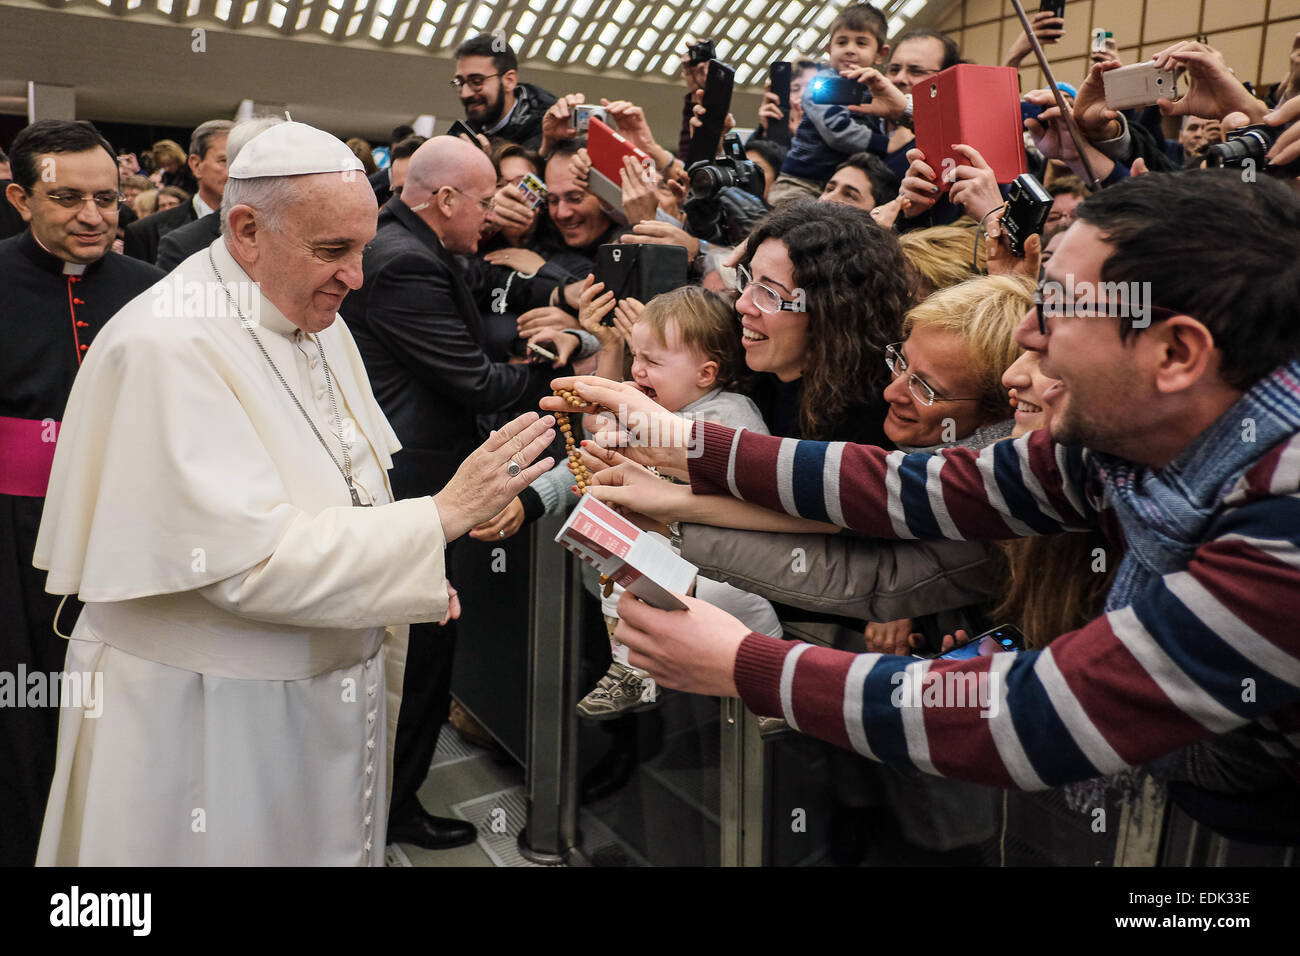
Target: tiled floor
pixel 460 773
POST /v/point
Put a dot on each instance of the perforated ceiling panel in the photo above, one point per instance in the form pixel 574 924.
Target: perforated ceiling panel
pixel 643 38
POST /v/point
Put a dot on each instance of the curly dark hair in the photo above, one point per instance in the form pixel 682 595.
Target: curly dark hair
pixel 854 279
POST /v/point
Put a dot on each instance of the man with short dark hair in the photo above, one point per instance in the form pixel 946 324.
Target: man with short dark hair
pixel 1067 193
pixel 61 285
pixel 497 104
pixel 863 181
pixel 208 164
pixel 917 55
pixel 1195 135
pixel 388 181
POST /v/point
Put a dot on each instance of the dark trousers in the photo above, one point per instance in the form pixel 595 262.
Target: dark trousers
pixel 426 699
pixel 27 734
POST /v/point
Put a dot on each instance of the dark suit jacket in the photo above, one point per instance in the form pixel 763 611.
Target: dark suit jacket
pixel 179 244
pixel 420 336
pixel 382 183
pixel 142 237
pixel 11 221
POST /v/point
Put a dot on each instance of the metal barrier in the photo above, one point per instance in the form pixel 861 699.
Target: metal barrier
pixel 554 638
pixel 757 783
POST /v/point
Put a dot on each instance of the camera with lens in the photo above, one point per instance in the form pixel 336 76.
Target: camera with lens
pixel 726 197
pixel 1246 147
pixel 709 177
pixel 1028 204
pixel 701 52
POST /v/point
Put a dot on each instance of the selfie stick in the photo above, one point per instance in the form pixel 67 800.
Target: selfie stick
pixel 1066 115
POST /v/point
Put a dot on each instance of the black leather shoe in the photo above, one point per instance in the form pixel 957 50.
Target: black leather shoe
pixel 430 832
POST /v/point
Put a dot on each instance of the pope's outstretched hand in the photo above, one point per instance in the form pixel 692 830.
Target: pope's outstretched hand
pixel 483 485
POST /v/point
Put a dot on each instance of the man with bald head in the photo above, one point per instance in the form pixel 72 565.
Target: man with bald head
pixel 417 327
pixel 219 500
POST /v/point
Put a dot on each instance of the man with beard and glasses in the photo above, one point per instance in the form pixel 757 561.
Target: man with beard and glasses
pixel 496 103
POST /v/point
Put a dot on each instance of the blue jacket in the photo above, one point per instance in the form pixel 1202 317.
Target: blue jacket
pixel 830 134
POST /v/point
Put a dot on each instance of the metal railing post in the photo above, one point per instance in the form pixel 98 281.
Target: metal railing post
pixel 744 786
pixel 554 640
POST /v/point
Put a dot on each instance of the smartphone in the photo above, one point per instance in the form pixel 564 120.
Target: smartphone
pixel 457 128
pixel 1030 111
pixel 1055 7
pixel 583 113
pixel 717 103
pixel 639 271
pixel 607 149
pixel 838 91
pixel 1099 40
pixel 1139 85
pixel 999 639
pixel 978 106
pixel 534 190
pixel 778 76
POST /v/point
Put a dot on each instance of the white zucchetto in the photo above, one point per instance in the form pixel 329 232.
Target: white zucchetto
pixel 293 149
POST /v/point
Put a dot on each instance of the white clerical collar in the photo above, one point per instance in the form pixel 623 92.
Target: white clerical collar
pixel 69 268
pixel 264 314
pixel 201 208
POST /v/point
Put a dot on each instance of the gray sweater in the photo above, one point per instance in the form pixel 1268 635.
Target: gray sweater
pixel 849 575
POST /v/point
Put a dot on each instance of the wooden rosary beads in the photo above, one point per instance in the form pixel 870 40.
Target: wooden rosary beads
pixel 581 476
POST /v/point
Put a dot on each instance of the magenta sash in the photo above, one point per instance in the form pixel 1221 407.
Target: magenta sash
pixel 26 455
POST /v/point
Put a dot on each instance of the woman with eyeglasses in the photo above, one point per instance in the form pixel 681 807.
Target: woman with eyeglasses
pixel 822 291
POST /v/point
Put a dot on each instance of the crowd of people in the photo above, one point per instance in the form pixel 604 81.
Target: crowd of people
pixel 1087 437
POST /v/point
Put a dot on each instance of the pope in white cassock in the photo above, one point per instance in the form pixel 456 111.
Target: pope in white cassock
pixel 219 500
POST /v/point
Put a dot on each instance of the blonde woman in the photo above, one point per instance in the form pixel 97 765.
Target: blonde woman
pixel 146 203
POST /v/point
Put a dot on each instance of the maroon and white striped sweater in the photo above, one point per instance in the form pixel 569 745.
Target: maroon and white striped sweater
pixel 1202 651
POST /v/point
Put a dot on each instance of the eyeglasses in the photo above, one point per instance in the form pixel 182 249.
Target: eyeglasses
pixel 1110 310
pixel 71 199
pixel 474 81
pixel 921 390
pixel 572 198
pixel 487 204
pixel 916 72
pixel 767 299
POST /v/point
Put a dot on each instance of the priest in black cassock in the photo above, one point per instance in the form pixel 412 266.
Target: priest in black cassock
pixel 61 284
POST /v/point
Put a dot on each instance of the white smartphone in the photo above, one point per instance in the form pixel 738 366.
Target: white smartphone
pixel 1139 85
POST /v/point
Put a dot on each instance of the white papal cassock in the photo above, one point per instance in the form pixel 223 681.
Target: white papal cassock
pixel 237 605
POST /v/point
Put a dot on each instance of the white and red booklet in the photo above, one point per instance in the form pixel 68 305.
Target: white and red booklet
pixel 639 561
